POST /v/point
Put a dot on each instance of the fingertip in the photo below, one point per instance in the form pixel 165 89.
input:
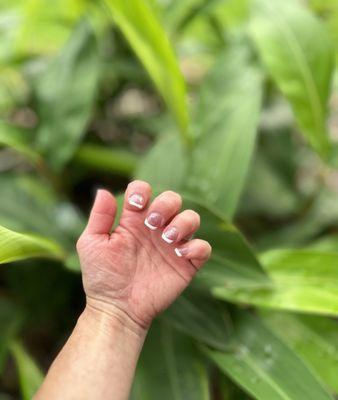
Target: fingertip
pixel 198 251
pixel 137 195
pixel 103 213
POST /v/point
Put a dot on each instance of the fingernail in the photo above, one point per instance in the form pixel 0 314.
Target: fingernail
pixel 136 200
pixel 181 251
pixel 153 221
pixel 170 235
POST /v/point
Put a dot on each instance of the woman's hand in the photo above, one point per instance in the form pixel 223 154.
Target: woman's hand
pixel 140 268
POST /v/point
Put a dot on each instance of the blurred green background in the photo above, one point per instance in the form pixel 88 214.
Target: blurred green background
pixel 233 103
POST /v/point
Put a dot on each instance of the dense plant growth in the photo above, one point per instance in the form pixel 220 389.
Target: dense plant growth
pixel 234 104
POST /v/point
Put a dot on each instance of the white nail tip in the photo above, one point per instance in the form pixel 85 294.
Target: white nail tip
pixel 152 227
pixel 178 253
pixel 166 239
pixel 133 203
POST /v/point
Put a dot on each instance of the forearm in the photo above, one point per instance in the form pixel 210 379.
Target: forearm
pixel 97 362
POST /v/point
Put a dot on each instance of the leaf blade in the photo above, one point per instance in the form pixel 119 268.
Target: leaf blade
pixel 65 94
pixel 16 246
pixel 264 366
pixel 298 54
pixel 169 368
pixel 226 124
pixel 139 24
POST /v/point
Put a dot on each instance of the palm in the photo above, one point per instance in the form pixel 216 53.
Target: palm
pixel 133 268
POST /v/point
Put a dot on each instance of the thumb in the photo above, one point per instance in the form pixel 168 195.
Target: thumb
pixel 103 213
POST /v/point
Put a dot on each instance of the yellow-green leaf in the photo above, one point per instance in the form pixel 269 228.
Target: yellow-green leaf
pixel 141 27
pixel 302 280
pixel 16 246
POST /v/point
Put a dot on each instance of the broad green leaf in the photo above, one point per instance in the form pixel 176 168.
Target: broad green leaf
pixel 233 262
pixel 19 140
pixel 315 339
pixel 30 205
pixel 170 368
pixel 202 318
pixel 30 375
pixel 226 125
pixel 65 94
pixel 303 280
pixel 100 158
pixel 157 166
pixel 298 54
pixel 264 366
pixel 140 26
pixel 17 246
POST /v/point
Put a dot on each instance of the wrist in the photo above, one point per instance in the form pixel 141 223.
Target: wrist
pixel 111 319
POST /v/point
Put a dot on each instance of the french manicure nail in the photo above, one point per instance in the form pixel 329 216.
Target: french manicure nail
pixel 170 235
pixel 181 251
pixel 136 200
pixel 154 221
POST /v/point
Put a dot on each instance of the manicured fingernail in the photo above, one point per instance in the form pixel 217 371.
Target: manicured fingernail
pixel 136 200
pixel 170 235
pixel 181 251
pixel 154 221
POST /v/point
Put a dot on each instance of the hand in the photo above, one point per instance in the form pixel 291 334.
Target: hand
pixel 140 268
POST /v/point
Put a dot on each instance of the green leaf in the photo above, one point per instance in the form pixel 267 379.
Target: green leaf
pixel 200 317
pixel 139 24
pixel 17 246
pixel 232 262
pixel 30 205
pixel 10 320
pixel 156 167
pixel 315 339
pixel 30 375
pixel 226 125
pixel 298 54
pixel 19 140
pixel 169 368
pixel 264 366
pixel 65 94
pixel 100 158
pixel 303 280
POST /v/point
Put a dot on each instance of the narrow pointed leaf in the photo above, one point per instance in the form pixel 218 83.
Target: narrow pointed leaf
pixel 16 246
pixel 226 127
pixel 141 27
pixel 297 51
pixel 265 367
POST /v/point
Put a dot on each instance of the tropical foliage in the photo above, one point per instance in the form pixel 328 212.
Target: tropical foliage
pixel 234 103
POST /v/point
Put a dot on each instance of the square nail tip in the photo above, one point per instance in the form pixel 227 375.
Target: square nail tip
pixel 170 241
pixel 178 253
pixel 152 227
pixel 132 203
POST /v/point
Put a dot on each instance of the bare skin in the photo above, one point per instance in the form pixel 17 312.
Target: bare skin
pixel 129 277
